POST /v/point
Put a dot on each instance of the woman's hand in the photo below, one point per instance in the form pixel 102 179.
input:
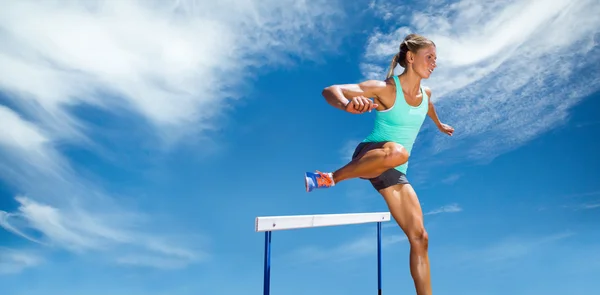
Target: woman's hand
pixel 446 129
pixel 360 104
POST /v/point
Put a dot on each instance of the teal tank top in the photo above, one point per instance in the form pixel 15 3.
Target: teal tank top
pixel 400 123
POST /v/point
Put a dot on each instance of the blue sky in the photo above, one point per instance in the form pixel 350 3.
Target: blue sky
pixel 141 140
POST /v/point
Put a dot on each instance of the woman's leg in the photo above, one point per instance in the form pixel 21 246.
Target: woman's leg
pixel 374 159
pixel 406 210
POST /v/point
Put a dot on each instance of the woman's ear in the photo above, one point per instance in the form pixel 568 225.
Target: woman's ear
pixel 410 57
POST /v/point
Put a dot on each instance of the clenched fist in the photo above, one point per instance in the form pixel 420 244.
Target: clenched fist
pixel 360 104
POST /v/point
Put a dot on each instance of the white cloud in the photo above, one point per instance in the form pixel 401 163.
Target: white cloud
pixel 505 252
pixel 452 178
pixel 591 206
pixel 582 201
pixel 452 208
pixel 27 142
pixel 153 261
pixel 583 195
pixel 84 230
pixel 15 261
pixel 176 64
pixel 582 206
pixel 18 134
pixel 507 71
pixel 347 150
pixel 356 248
pixel 515 247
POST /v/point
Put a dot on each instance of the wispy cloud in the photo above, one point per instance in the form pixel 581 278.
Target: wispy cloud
pixel 591 206
pixel 583 206
pixel 583 201
pixel 452 208
pixel 502 67
pixel 347 150
pixel 83 231
pixel 24 141
pixel 348 250
pixel 15 261
pixel 588 124
pixel 503 252
pixel 64 211
pixel 513 248
pixel 167 64
pixel 168 61
pixel 586 194
pixel 452 178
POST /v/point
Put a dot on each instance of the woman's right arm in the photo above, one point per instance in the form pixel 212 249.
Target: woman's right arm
pixel 340 95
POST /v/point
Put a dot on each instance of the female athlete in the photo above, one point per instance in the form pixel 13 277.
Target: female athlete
pixel 401 105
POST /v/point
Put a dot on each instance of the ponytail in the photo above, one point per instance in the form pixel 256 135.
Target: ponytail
pixel 399 58
pixel 392 66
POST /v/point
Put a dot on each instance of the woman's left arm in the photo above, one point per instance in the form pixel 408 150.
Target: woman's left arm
pixel 434 117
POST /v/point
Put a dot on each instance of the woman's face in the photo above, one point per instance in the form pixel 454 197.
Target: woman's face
pixel 424 61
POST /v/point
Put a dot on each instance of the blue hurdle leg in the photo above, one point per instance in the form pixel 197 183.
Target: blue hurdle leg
pixel 267 268
pixel 379 258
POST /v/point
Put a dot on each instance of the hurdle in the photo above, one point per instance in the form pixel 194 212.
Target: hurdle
pixel 268 224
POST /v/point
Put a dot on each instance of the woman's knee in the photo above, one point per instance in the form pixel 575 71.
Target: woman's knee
pixel 396 155
pixel 419 239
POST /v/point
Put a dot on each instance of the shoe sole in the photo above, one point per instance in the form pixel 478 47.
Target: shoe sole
pixel 306 183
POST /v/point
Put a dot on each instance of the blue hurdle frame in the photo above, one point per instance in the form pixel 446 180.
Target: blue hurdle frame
pixel 267 263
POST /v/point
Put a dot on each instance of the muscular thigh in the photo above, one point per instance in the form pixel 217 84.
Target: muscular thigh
pixel 389 177
pixel 365 147
pixel 404 206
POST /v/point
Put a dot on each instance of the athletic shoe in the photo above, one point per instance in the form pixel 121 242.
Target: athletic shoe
pixel 317 180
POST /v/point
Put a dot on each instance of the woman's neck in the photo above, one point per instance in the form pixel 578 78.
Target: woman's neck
pixel 410 81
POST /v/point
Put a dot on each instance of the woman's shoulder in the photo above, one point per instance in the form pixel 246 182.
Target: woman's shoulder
pixel 427 90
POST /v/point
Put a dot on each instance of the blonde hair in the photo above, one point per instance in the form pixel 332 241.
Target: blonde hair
pixel 412 43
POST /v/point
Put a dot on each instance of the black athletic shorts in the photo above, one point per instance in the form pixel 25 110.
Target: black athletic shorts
pixel 388 178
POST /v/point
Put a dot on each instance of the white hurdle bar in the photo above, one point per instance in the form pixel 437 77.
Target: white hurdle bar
pixel 268 224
